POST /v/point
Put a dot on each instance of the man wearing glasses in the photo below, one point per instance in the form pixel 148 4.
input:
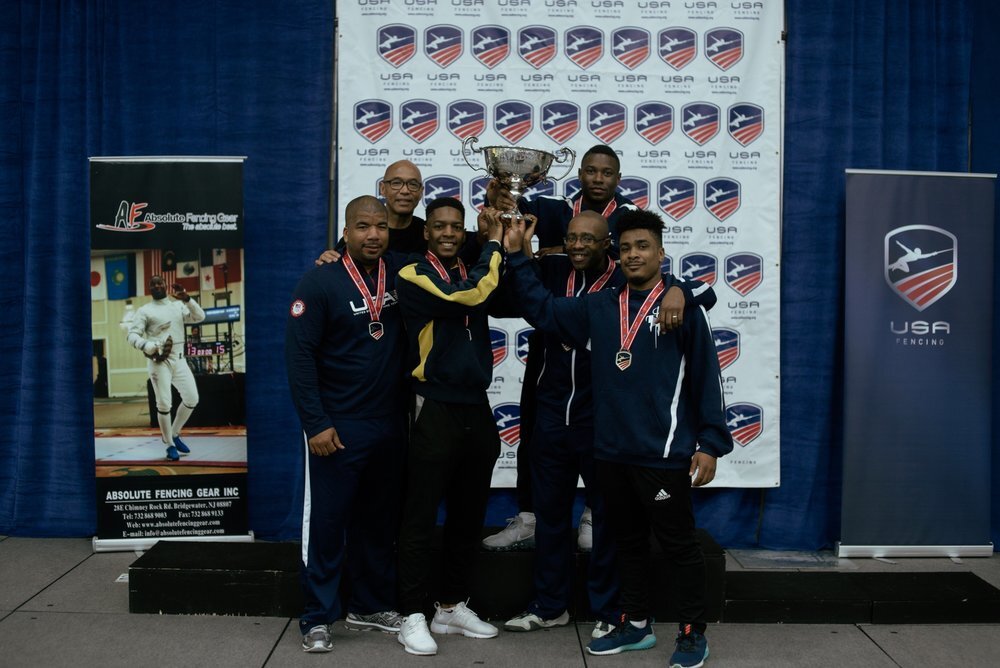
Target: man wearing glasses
pixel 402 188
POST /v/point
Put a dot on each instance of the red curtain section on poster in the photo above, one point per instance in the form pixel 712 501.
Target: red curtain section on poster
pixel 688 94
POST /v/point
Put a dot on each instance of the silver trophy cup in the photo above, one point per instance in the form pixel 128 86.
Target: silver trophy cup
pixel 516 167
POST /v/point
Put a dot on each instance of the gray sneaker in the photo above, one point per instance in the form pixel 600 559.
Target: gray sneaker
pixel 519 533
pixel 529 621
pixel 387 621
pixel 317 640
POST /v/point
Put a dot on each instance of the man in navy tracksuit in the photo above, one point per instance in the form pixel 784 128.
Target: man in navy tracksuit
pixel 453 442
pixel 659 427
pixel 344 352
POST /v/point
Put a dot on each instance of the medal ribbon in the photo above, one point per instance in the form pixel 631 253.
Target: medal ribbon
pixel 443 273
pixel 608 210
pixel 628 331
pixel 598 284
pixel 373 302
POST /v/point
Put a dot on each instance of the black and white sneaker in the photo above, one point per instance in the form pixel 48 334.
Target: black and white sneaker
pixel 387 621
pixel 317 639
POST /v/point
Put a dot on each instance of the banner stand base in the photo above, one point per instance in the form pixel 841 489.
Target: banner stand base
pixel 946 551
pixel 143 544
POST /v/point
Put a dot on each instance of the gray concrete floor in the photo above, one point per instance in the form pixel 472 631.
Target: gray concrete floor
pixel 63 605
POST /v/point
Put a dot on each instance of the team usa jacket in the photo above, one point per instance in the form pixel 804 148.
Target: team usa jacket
pixel 449 357
pixel 667 403
pixel 554 214
pixel 336 368
pixel 564 388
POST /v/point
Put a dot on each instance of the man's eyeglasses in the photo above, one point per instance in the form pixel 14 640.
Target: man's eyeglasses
pixel 412 185
pixel 585 239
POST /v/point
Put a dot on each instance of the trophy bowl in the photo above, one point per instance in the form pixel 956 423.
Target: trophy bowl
pixel 517 167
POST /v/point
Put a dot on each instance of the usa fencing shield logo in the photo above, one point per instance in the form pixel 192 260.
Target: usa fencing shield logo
pixel 722 197
pixel 396 43
pixel 745 422
pixel 512 120
pixel 477 192
pixel 744 272
pixel 699 267
pixel 441 185
pixel 677 46
pixel 498 344
pixel 630 46
pixel 724 47
pixel 667 266
pixel 540 189
pixel 583 45
pixel 746 122
pixel 372 119
pixel 536 45
pixel 700 122
pixel 466 118
pixel 490 45
pixel 571 188
pixel 560 120
pixel 676 196
pixel 508 417
pixel 418 119
pixel 727 345
pixel 654 121
pixel 521 344
pixel 635 189
pixel 443 44
pixel 921 263
pixel 606 120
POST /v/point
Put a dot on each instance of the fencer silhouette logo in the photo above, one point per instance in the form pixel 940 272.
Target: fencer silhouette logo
pixel 418 119
pixel 635 189
pixel 727 345
pixel 745 422
pixel 490 45
pixel 498 344
pixel 508 418
pixel 722 197
pixel 372 119
pixel 630 46
pixel 466 118
pixel 700 267
pixel 921 263
pixel 521 344
pixel 700 121
pixel 606 120
pixel 654 121
pixel 560 120
pixel 396 43
pixel 583 45
pixel 477 191
pixel 536 45
pixel 744 272
pixel 677 46
pixel 512 120
pixel 127 218
pixel 441 185
pixel 724 47
pixel 443 44
pixel 746 122
pixel 667 266
pixel 676 196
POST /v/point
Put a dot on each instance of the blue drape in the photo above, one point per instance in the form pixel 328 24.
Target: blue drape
pixel 868 85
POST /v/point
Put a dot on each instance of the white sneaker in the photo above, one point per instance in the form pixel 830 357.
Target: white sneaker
pixel 317 639
pixel 585 534
pixel 602 629
pixel 461 620
pixel 414 636
pixel 529 621
pixel 520 532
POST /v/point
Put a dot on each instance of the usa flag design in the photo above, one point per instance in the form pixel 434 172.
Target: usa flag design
pixel 746 122
pixel 466 118
pixel 583 45
pixel 606 120
pixel 700 122
pixel 724 47
pixel 536 45
pixel 508 417
pixel 560 120
pixel 372 119
pixel 654 121
pixel 418 119
pixel 512 120
pixel 722 197
pixel 921 263
pixel 745 422
pixel 744 272
pixel 443 44
pixel 676 196
pixel 396 43
pixel 677 46
pixel 490 45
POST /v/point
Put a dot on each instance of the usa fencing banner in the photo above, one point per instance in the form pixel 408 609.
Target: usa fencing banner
pixel 917 351
pixel 167 304
pixel 687 94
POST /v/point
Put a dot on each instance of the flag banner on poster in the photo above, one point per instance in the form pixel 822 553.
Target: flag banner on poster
pixel 687 94
pixel 917 378
pixel 169 362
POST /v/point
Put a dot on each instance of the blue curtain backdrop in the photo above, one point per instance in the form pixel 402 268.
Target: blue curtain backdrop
pixel 868 85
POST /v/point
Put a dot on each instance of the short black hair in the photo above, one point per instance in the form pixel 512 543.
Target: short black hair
pixel 602 149
pixel 442 202
pixel 639 219
pixel 362 202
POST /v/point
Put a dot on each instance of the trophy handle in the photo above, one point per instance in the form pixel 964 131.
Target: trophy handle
pixel 567 155
pixel 470 142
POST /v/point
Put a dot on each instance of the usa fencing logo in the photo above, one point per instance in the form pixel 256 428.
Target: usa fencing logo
pixel 508 417
pixel 677 46
pixel 490 45
pixel 701 122
pixel 498 344
pixel 606 120
pixel 443 44
pixel 744 272
pixel 540 189
pixel 630 46
pixel 667 266
pixel 724 47
pixel 418 119
pixel 571 188
pixel 746 122
pixel 521 344
pixel 372 119
pixel 635 189
pixel 477 192
pixel 512 120
pixel 536 45
pixel 396 43
pixel 722 197
pixel 560 120
pixel 727 345
pixel 921 263
pixel 466 118
pixel 441 185
pixel 583 45
pixel 699 267
pixel 745 422
pixel 676 196
pixel 654 121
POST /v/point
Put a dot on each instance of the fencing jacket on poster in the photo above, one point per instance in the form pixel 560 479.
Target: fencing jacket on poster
pixel 669 400
pixel 447 327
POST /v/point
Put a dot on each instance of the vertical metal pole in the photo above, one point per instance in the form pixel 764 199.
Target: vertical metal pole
pixel 331 226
